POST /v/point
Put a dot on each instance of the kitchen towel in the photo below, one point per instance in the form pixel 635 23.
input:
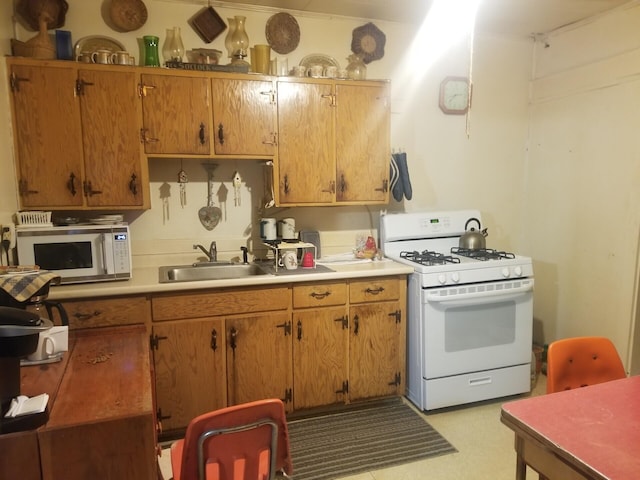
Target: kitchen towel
pixel 22 286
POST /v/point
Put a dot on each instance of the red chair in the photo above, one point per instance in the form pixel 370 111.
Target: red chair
pixel 243 442
pixel 581 361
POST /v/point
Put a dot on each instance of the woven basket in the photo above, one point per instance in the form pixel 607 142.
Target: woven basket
pixel 39 46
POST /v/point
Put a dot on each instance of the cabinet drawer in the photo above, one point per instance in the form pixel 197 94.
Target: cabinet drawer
pixel 225 302
pixel 107 312
pixel 319 294
pixel 374 290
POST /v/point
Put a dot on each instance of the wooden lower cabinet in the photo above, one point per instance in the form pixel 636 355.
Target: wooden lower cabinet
pixel 309 344
pixel 189 362
pixel 320 352
pixel 259 358
pixel 108 312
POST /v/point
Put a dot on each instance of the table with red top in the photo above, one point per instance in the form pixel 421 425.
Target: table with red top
pixel 586 433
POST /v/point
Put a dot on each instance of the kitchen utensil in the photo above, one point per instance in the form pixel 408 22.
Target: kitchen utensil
pixel 288 260
pixel 268 228
pixel 287 228
pixel 473 239
pixel 209 215
pixel 307 260
pixel 237 184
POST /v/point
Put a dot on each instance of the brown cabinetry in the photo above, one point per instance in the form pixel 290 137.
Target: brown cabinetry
pixel 333 142
pixel 377 332
pixel 309 344
pixel 244 117
pixel 108 312
pixel 70 150
pixel 177 114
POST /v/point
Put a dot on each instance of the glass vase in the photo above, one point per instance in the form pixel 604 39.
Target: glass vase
pixel 151 51
pixel 167 46
pixel 177 47
pixel 228 42
pixel 356 70
pixel 239 42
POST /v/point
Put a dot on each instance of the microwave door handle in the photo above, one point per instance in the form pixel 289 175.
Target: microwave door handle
pixel 107 253
pixel 480 297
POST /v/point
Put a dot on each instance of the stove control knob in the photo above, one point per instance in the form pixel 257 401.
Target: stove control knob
pixel 455 278
pixel 518 271
pixel 506 272
pixel 442 279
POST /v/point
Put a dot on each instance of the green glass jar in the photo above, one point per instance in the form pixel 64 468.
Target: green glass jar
pixel 151 58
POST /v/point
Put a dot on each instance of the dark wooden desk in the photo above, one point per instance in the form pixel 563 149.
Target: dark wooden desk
pixel 586 433
pixel 101 422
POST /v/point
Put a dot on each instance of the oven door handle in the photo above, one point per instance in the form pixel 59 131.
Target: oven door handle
pixel 480 297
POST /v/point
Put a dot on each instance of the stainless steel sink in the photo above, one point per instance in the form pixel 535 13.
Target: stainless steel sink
pixel 197 272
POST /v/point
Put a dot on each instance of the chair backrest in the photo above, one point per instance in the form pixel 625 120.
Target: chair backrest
pixel 247 441
pixel 581 361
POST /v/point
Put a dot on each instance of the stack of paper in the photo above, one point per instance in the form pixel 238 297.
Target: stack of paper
pixel 23 405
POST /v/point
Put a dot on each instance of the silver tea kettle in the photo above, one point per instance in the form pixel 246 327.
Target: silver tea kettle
pixel 473 239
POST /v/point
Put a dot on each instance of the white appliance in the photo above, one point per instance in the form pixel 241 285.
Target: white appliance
pixel 470 318
pixel 78 253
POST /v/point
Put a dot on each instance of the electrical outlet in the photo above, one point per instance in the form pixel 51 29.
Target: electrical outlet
pixel 9 233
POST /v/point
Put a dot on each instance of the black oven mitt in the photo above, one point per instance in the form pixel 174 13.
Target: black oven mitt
pixel 399 177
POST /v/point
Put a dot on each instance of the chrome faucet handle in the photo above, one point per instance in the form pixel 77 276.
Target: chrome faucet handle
pixel 213 251
pixel 245 256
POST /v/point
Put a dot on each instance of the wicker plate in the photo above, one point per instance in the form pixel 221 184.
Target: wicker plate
pixel 282 32
pixel 368 41
pixel 128 15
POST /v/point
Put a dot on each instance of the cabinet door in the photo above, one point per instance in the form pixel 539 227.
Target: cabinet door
pixel 243 117
pixel 306 154
pixel 111 135
pixel 374 355
pixel 48 136
pixel 177 114
pixel 362 143
pixel 320 352
pixel 259 358
pixel 189 366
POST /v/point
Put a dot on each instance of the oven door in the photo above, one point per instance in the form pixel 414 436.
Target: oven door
pixel 477 327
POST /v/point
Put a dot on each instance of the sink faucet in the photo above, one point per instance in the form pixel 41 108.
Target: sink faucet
pixel 245 256
pixel 212 254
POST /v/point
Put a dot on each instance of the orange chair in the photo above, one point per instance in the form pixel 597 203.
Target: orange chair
pixel 581 361
pixel 243 442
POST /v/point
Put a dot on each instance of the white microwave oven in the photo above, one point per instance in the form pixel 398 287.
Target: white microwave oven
pixel 78 253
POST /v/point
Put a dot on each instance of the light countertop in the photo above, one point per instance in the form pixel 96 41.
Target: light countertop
pixel 146 280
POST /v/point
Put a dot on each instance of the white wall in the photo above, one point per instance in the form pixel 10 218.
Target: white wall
pixel 581 215
pixel 448 169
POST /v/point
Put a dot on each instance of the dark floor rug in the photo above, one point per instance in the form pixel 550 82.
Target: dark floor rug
pixel 360 440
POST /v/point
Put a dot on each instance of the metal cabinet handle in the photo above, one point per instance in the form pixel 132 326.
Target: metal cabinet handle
pixel 286 184
pixel 214 340
pixel 356 324
pixel 299 330
pixel 385 186
pixel 133 184
pixel 145 139
pixel 86 316
pixel 233 335
pixel 320 296
pixel 375 291
pixel 201 134
pixel 71 184
pixel 89 191
pixel 23 188
pixel 221 134
pixel 332 187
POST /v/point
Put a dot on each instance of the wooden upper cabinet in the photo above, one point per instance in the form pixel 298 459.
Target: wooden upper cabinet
pixel 306 153
pixel 176 114
pixel 244 117
pixel 77 133
pixel 110 119
pixel 362 143
pixel 333 142
pixel 47 136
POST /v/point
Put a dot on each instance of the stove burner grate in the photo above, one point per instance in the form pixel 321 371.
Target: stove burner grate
pixel 427 257
pixel 482 253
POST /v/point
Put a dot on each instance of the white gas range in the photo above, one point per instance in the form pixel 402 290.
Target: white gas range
pixel 470 313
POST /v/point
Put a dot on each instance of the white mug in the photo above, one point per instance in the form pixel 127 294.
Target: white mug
pixel 101 56
pixel 315 71
pixel 331 71
pixel 268 228
pixel 120 58
pixel 289 260
pixel 50 343
pixel 287 228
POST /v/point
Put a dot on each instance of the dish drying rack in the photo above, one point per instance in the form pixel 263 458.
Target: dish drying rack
pixel 277 245
pixel 33 219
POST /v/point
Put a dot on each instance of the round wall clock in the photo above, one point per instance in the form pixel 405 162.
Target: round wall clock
pixel 454 95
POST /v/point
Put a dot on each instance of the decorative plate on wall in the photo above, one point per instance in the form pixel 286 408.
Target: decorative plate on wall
pixel 282 32
pixel 368 41
pixel 128 15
